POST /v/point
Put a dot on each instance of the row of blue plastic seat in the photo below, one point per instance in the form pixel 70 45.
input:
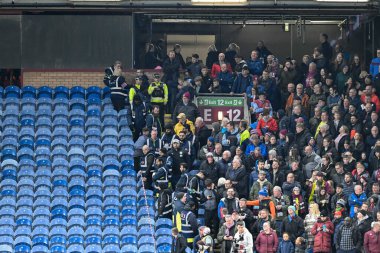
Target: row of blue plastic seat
pixel 57 92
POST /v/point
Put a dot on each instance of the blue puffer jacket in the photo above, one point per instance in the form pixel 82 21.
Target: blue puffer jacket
pixel 356 200
pixel 285 247
pixel 255 67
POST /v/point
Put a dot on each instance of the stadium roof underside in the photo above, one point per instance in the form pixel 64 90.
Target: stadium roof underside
pixel 192 9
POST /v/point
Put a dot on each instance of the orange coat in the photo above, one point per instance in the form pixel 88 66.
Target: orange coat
pixel 289 102
pixel 272 207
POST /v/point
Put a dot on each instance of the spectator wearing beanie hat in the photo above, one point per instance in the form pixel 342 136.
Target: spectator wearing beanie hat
pixel 264 202
pixel 186 107
pixel 293 224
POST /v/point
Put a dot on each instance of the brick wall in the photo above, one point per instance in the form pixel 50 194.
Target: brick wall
pixel 64 78
pixel 70 78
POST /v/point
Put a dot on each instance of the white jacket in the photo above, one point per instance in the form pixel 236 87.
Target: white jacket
pixel 247 242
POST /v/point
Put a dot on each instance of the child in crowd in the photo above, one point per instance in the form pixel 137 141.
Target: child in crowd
pixel 286 246
pixel 300 245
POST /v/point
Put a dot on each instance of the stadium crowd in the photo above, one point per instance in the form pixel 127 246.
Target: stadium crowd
pixel 301 175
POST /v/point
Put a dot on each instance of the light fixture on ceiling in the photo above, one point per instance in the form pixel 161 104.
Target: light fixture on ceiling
pixel 95 0
pixel 344 1
pixel 219 2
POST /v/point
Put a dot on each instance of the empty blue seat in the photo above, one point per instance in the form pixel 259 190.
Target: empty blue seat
pixel 61 92
pixel 58 249
pixel 94 103
pixel 45 103
pixel 94 92
pixel 6 248
pixel 42 153
pixel 146 222
pixel 61 123
pixel 60 133
pixel 27 133
pixel 44 92
pixel 9 154
pixel 110 123
pixel 44 123
pixel 77 92
pixel 129 226
pixel 164 240
pixel 61 104
pixel 76 139
pixel 93 248
pixel 147 241
pixel 128 183
pixel 129 213
pixel 60 114
pixel 40 248
pixel 93 134
pixel 28 92
pixel 77 104
pixel 77 123
pixel 79 115
pixel 164 249
pixel 42 143
pixel 145 213
pixel 93 124
pixel 43 133
pixel 12 91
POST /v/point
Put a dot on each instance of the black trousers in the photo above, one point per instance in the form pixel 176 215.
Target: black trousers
pixel 118 101
pixel 212 221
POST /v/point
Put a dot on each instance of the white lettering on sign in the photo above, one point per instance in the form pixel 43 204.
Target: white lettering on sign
pixel 234 115
pixel 207 115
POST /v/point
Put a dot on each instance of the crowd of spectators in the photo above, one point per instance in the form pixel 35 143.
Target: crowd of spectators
pixel 301 175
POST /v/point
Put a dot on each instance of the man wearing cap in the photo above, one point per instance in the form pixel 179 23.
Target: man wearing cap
pixel 264 201
pixel 344 242
pixel 168 136
pixel 322 230
pixel 293 224
pixel 187 107
pixel 242 81
pixel 371 238
pixel 139 107
pixel 179 156
pixel 209 167
pixel 159 94
pixel 182 121
pixel 189 224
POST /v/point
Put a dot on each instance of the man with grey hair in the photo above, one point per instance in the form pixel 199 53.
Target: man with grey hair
pixel 238 176
pixel 281 202
pixel 371 238
pixel 201 131
pixel 223 164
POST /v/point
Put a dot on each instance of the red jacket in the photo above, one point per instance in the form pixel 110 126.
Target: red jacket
pixel 216 69
pixel 267 243
pixel 271 125
pixel 374 99
pixel 372 242
pixel 322 240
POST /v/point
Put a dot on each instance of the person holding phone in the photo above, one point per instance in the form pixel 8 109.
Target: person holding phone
pixel 322 230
